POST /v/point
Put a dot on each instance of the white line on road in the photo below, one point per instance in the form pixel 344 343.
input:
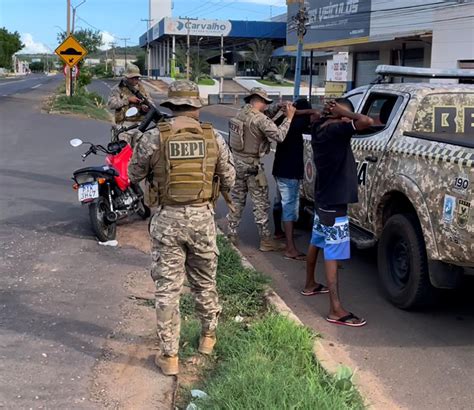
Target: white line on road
pixel 36 86
pixel 5 95
pixel 13 82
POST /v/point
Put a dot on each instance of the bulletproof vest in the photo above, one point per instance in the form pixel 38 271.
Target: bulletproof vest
pixel 242 140
pixel 187 163
pixel 120 112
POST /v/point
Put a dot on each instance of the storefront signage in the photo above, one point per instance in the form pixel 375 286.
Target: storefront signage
pixel 331 20
pixel 337 67
pixel 197 27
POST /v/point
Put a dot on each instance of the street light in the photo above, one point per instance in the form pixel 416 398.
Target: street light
pixel 74 14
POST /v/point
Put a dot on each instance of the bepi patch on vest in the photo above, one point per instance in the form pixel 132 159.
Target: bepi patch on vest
pixel 187 149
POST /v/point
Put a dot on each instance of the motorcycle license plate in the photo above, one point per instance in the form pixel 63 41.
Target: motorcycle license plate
pixel 88 191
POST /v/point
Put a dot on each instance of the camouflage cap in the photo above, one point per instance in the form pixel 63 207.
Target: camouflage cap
pixel 260 92
pixel 183 92
pixel 132 71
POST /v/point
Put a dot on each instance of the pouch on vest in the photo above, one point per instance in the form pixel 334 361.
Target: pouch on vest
pixel 186 169
pixel 236 134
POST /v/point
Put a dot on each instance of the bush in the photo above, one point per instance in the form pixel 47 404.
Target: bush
pixel 85 77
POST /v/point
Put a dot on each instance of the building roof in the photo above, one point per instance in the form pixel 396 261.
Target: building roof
pixel 271 30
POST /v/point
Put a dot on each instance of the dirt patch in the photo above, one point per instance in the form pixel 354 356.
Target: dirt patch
pixel 134 234
pixel 126 377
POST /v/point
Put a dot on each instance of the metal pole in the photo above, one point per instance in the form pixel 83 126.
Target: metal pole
pixel 301 19
pixel 173 58
pixel 188 53
pixel 221 84
pixel 310 76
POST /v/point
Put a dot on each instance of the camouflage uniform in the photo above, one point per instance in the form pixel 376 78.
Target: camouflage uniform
pixel 183 236
pixel 259 130
pixel 118 101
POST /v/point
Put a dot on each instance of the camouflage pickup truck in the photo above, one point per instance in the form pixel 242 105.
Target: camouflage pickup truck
pixel 415 173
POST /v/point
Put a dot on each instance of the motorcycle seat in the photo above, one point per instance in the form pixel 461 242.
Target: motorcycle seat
pixel 105 169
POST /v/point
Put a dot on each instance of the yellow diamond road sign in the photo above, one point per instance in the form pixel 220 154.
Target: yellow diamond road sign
pixel 71 51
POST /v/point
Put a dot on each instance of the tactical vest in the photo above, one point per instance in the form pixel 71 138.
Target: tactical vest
pixel 241 138
pixel 186 167
pixel 120 112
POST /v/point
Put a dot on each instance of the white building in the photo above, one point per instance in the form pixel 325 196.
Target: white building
pixel 420 33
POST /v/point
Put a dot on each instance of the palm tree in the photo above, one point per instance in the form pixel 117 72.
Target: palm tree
pixel 261 55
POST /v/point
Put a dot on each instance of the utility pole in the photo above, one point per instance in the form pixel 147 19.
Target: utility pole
pixel 74 14
pixel 148 21
pixel 125 41
pixel 68 69
pixel 188 51
pixel 113 58
pixel 300 21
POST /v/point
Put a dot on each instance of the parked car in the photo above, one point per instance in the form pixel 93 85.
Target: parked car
pixel 415 173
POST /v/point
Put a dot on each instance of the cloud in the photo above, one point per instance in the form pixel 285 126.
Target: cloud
pixel 31 46
pixel 107 38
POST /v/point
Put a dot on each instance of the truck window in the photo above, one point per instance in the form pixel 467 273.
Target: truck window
pixel 445 117
pixel 355 99
pixel 381 108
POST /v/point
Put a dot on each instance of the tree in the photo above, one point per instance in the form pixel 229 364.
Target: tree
pixel 91 40
pixel 10 43
pixel 140 62
pixel 281 69
pixel 37 66
pixel 199 65
pixel 261 55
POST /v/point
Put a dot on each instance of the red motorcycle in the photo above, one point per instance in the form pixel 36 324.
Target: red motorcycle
pixel 107 189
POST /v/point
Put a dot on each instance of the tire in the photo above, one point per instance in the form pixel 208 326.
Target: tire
pixel 403 264
pixel 103 230
pixel 143 210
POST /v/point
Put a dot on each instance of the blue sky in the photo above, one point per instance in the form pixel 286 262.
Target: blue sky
pixel 38 21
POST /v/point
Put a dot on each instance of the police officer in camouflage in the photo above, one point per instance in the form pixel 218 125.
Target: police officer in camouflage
pixel 191 164
pixel 123 97
pixel 251 133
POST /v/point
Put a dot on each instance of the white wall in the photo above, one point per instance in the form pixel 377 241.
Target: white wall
pixel 159 9
pixel 398 19
pixel 453 40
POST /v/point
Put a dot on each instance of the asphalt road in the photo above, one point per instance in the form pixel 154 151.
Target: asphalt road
pixel 59 290
pixel 10 86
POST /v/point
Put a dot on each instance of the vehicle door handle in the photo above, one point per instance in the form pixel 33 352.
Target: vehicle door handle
pixel 371 158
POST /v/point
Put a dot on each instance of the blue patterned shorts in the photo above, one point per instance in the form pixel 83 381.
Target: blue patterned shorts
pixel 335 240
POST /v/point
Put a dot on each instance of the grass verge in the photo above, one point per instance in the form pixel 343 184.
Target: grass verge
pixel 276 83
pixel 206 81
pixel 262 360
pixel 84 103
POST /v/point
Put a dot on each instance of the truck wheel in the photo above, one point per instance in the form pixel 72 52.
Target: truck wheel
pixel 104 230
pixel 403 264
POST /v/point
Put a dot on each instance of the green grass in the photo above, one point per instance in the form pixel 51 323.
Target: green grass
pixel 264 362
pixel 91 105
pixel 275 83
pixel 206 81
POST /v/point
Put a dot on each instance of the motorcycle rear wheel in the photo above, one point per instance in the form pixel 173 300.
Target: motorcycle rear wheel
pixel 143 211
pixel 105 231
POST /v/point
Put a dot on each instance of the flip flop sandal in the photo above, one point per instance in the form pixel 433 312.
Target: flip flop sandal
pixel 300 257
pixel 346 321
pixel 318 290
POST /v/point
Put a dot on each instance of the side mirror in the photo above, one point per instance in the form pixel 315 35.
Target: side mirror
pixel 131 112
pixel 75 142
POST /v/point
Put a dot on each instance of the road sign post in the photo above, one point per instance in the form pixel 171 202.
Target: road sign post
pixel 71 52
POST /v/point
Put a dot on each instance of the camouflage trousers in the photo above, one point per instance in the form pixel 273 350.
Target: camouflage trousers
pixel 183 245
pixel 250 179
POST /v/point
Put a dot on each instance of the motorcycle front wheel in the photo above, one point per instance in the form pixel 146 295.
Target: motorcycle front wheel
pixel 104 230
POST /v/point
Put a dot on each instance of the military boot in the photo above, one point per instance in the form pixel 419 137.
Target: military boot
pixel 269 245
pixel 168 364
pixel 206 343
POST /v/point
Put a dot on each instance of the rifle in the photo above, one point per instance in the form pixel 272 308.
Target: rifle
pixel 153 114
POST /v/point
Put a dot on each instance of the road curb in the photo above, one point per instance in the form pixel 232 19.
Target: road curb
pixel 331 354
